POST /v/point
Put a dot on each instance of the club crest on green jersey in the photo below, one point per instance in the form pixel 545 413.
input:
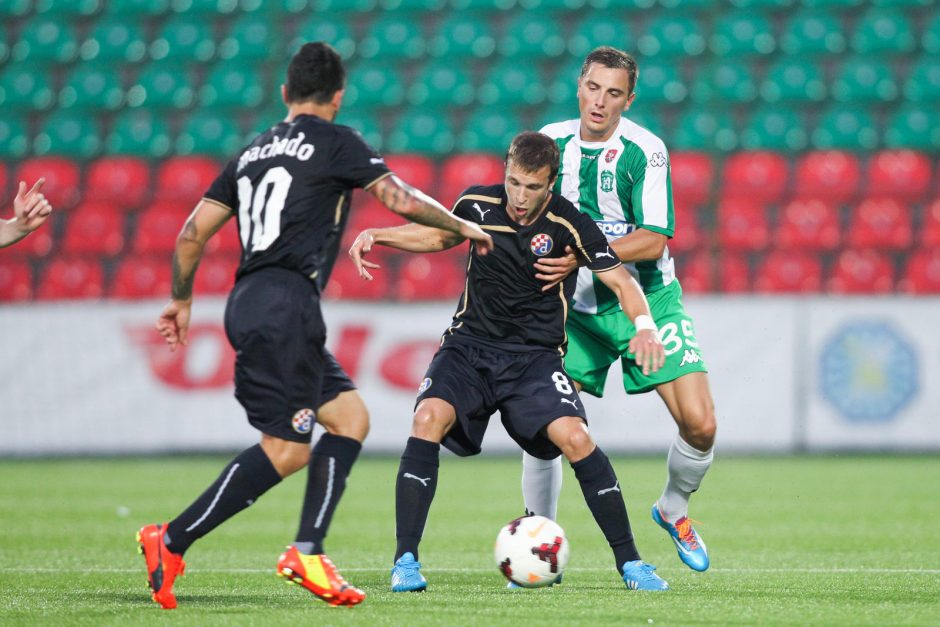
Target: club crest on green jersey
pixel 607 181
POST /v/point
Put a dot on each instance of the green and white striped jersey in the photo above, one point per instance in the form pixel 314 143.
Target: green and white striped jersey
pixel 623 184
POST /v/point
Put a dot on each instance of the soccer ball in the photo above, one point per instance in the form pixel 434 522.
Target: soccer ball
pixel 531 551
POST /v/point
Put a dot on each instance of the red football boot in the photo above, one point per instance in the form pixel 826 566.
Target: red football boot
pixel 163 566
pixel 317 574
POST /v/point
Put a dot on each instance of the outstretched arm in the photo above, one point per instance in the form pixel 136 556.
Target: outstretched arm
pixel 645 345
pixel 414 238
pixel 30 211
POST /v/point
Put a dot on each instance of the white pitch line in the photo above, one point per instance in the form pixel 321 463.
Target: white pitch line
pixel 907 571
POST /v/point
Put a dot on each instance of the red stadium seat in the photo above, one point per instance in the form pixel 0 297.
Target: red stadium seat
pixel 862 272
pixel 37 244
pixel 433 276
pixel 692 176
pixel 808 224
pixel 696 273
pixel 71 277
pixel 121 181
pixel 734 274
pixel 689 234
pixel 346 284
pixel 157 228
pixel 226 241
pixel 462 171
pixel 63 181
pixel 142 277
pixel 830 175
pixel 742 225
pixel 882 223
pixel 6 196
pixel 930 229
pixel 902 174
pixel 786 272
pixel 922 273
pixel 415 170
pixel 371 214
pixel 758 175
pixel 16 280
pixel 95 228
pixel 216 274
pixel 186 179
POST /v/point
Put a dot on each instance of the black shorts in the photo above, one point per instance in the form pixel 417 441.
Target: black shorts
pixel 283 372
pixel 530 390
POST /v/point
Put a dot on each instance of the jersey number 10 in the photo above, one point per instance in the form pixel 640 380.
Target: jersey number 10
pixel 259 209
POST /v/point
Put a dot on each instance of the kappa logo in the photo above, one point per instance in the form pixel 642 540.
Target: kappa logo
pixel 611 155
pixel 481 211
pixel 658 160
pixel 605 253
pixel 423 482
pixel 425 384
pixel 613 488
pixel 541 244
pixel 302 422
pixel 570 402
pixel 690 357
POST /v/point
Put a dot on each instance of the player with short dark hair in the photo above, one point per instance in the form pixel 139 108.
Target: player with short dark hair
pixel 30 211
pixel 503 351
pixel 289 191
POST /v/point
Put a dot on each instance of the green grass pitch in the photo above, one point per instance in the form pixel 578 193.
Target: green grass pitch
pixel 807 540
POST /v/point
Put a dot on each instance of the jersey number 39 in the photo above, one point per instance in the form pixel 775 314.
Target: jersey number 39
pixel 259 208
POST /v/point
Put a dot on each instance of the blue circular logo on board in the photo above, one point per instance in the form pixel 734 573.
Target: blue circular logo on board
pixel 868 372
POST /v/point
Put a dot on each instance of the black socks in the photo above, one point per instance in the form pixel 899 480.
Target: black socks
pixel 414 491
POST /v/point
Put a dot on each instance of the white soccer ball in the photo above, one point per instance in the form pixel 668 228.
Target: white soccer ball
pixel 531 551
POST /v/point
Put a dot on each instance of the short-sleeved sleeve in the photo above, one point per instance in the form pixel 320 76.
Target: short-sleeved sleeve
pixel 463 207
pixel 354 161
pixel 224 189
pixel 594 249
pixel 652 193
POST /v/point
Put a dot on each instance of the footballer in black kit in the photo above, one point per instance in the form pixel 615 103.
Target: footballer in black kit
pixel 503 349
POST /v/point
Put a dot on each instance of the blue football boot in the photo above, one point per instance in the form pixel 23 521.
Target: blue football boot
pixel 406 575
pixel 689 545
pixel 638 575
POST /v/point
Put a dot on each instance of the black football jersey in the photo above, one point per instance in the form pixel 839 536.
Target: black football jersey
pixel 503 304
pixel 290 190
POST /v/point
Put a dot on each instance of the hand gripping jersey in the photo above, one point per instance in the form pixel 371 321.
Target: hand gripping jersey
pixel 622 184
pixel 503 305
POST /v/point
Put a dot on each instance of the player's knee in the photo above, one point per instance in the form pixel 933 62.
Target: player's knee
pixel 286 457
pixel 700 427
pixel 431 421
pixel 354 425
pixel 577 444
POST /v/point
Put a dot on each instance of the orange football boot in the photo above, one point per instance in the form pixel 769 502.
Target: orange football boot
pixel 317 574
pixel 163 565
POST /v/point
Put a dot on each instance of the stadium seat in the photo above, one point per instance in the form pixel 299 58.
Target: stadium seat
pixel 531 36
pixel 929 232
pixel 696 273
pixel 342 6
pixel 46 40
pixel 196 9
pixel 831 4
pixel 862 272
pixel 865 81
pixel 63 184
pixel 15 8
pixel 94 228
pixel 693 175
pixel 143 276
pixel 4 46
pixel 725 81
pixel 742 33
pixel 5 179
pixel 139 133
pixel 412 6
pixel 734 274
pixel 881 223
pixel 442 84
pixel 930 37
pixel 902 174
pixel 489 129
pixel 210 133
pixel 463 170
pixel 483 5
pixel 366 122
pixel 923 83
pixel 329 28
pixel 162 86
pixel 462 36
pixel 787 272
pixel 416 170
pixel 114 39
pixel 393 36
pixel 742 225
pixel 91 87
pixel 216 275
pixel 423 132
pixel 184 39
pixel 566 111
pixel 14 138
pixel 775 128
pixel 374 85
pixel 808 224
pixel 16 280
pixel 882 30
pixel 225 242
pixel 829 174
pixel 671 35
pixel 597 29
pixel 562 84
pixel 511 84
pixel 71 278
pixel 232 85
pixel 760 176
pixel 68 8
pixel 26 88
pixel 794 80
pixel 914 126
pixel 121 181
pixel 921 273
pixel 158 226
pixel 68 133
pixel 137 9
pixel 845 127
pixel 369 213
pixel 812 32
pixel 437 276
pixel 707 130
pixel 346 284
pixel 661 83
pixel 688 232
pixel 251 38
pixel 185 179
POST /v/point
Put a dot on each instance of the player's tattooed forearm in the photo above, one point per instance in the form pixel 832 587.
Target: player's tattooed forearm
pixel 182 288
pixel 189 231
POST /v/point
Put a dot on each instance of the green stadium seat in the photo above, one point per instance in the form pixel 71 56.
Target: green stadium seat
pixel 647 118
pixel 831 4
pixel 489 129
pixel 482 5
pixel 551 5
pixel 287 8
pixel 183 38
pixel 660 82
pixel 599 30
pixel 373 85
pixel 684 6
pixel 412 5
pixel 908 4
pixel 209 133
pixel 162 86
pixel 252 37
pixel 707 130
pixel 203 8
pixel 461 36
pixel 232 84
pixel 45 39
pixel 556 113
pixel 812 32
pixel 442 84
pixel 68 133
pixel 114 39
pixel 139 133
pixel 393 36
pixel 422 132
pixel 14 138
pixel 366 122
pixel 845 127
pixel 530 35
pixel 320 28
pixel 762 5
pixel 511 83
pixel 930 39
pixel 727 81
pixel 563 87
pixel 923 84
pixel 671 35
pixel 742 33
pixel 775 128
pixel 15 8
pixel 883 31
pixel 68 8
pixel 137 8
pixel 794 80
pixel 92 86
pixel 864 80
pixel 267 116
pixel 4 45
pixel 25 87
pixel 342 6
pixel 915 126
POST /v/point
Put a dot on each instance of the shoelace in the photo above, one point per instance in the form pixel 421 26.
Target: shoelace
pixel 411 568
pixel 684 527
pixel 339 578
pixel 646 572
